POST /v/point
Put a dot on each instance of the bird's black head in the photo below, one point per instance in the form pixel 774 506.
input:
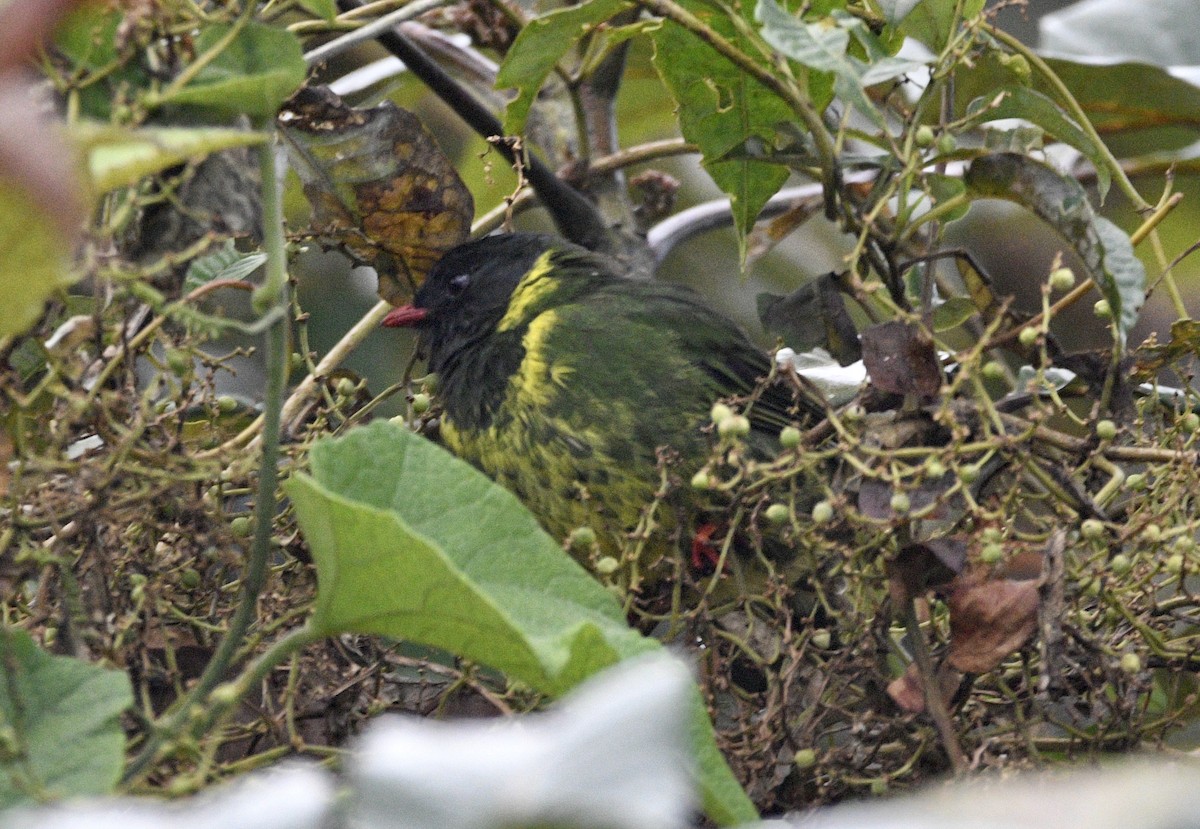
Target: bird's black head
pixel 468 291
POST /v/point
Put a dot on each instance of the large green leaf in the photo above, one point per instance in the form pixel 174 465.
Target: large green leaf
pixel 34 257
pixel 412 543
pixel 60 721
pixel 932 21
pixel 252 75
pixel 1061 202
pixel 539 46
pixel 720 109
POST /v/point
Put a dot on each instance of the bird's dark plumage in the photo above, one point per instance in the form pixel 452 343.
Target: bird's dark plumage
pixel 560 379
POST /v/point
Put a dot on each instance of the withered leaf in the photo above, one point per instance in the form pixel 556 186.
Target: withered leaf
pixel 918 567
pixel 908 689
pixel 379 186
pixel 989 619
pixel 900 359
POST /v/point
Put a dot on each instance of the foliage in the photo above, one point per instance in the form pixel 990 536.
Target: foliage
pixel 988 553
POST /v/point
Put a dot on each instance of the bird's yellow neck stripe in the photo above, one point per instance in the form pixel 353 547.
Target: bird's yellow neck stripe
pixel 534 286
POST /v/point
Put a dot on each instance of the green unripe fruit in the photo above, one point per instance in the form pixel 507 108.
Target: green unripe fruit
pixel 1102 309
pixel 946 143
pixel 991 535
pixel 789 437
pixel 1106 429
pixel 1062 280
pixel 701 480
pixel 225 694
pixel 1120 564
pixel 1028 336
pixel 804 758
pixel 345 386
pixel 240 526
pixel 420 403
pixel 821 638
pixel 969 474
pixel 1091 529
pixel 879 787
pixel 734 426
pixel 720 412
pixel 179 361
pixel 925 136
pixel 993 370
pixel 429 383
pixel 581 538
pixel 296 361
pixel 991 553
pixel 777 513
pixel 1190 422
pixel 935 468
pixel 1152 534
pixel 822 512
pixel 607 565
pixel 1131 663
pixel 1137 482
pixel 190 578
pixel 1185 544
pixel 227 404
pixel 901 503
pixel 1174 564
pixel 854 413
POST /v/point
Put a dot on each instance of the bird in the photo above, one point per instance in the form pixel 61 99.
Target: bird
pixel 562 379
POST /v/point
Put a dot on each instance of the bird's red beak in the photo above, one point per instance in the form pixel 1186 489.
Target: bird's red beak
pixel 406 316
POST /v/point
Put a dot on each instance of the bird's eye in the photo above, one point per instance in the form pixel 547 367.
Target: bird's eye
pixel 459 284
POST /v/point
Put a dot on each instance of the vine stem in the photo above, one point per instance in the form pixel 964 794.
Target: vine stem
pixel 274 292
pixel 933 693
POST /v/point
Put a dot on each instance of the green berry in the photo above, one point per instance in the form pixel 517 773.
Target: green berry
pixel 789 437
pixel 854 413
pixel 1091 529
pixel 822 512
pixel 429 383
pixel 1120 564
pixel 993 370
pixel 946 143
pixel 225 694
pixel 821 638
pixel 1151 534
pixel 1174 564
pixel 969 474
pixel 1028 336
pixel 241 526
pixel 734 426
pixel 190 578
pixel 1106 429
pixel 1137 481
pixel 925 136
pixel 420 403
pixel 991 535
pixel 1102 309
pixel 804 758
pixel 935 468
pixel 901 503
pixel 991 553
pixel 227 404
pixel 345 386
pixel 1062 280
pixel 777 513
pixel 1184 544
pixel 179 361
pixel 1190 422
pixel 296 361
pixel 607 565
pixel 1131 663
pixel 720 412
pixel 879 787
pixel 581 538
pixel 701 480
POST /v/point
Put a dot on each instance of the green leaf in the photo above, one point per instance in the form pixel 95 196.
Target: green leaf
pixel 325 9
pixel 119 157
pixel 933 21
pixel 1159 32
pixel 1136 108
pixel 952 313
pixel 226 263
pixel 539 46
pixel 1061 202
pixel 34 258
pixel 1033 106
pixel 412 543
pixel 252 75
pixel 60 721
pixel 894 11
pixel 720 110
